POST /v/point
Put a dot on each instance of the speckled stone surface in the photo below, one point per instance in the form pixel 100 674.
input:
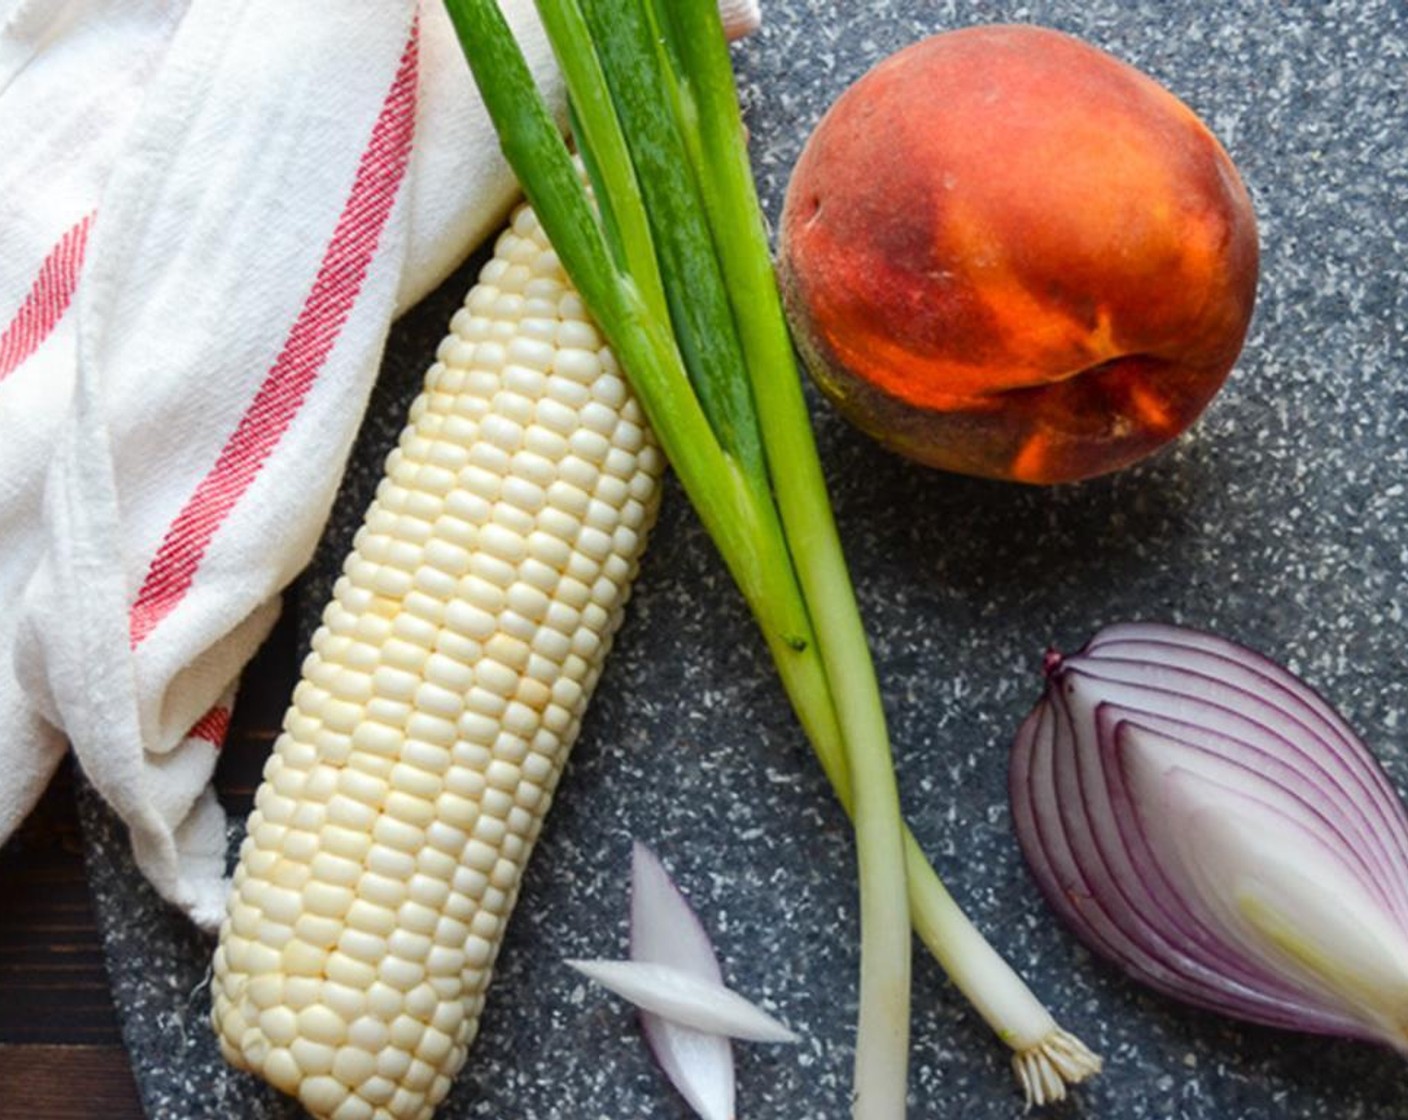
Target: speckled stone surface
pixel 1279 521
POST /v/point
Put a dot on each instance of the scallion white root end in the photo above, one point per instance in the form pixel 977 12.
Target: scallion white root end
pixel 1058 1060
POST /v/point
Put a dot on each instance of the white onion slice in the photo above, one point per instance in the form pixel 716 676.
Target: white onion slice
pixel 1208 822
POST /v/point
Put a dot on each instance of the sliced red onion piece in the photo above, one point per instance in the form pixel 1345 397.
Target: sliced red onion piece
pixel 664 927
pixel 698 1064
pixel 665 930
pixel 1206 821
pixel 687 1014
pixel 688 1000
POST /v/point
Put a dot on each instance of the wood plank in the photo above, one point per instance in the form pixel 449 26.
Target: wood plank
pixel 264 694
pixel 68 1083
pixel 51 962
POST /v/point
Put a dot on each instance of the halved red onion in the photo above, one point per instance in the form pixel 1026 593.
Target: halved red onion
pixel 1209 823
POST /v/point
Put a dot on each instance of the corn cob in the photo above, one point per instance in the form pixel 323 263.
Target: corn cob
pixel 443 691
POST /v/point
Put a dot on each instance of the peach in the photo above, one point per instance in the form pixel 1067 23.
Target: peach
pixel 1006 253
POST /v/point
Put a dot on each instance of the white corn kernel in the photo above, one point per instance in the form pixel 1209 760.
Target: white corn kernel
pixel 319 1093
pixel 369 1033
pixel 342 969
pixel 348 815
pixel 279 1024
pixel 377 1090
pixel 354 1066
pixel 362 946
pixel 346 1002
pixel 400 974
pixel 435 862
pixel 319 1023
pixel 384 892
pixel 303 959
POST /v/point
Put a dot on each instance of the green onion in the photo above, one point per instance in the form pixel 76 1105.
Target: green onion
pixel 672 259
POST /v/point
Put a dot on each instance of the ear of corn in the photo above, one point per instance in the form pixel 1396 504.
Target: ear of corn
pixel 442 694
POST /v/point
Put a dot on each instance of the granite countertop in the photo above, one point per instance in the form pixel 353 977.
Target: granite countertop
pixel 1279 521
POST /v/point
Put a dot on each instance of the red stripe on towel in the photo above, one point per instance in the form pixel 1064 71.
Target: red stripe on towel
pixel 47 300
pixel 212 727
pixel 339 281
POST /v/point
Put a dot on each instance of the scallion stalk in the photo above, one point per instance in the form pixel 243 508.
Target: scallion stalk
pixel 672 260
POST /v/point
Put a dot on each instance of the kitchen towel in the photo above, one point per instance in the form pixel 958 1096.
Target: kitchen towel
pixel 210 213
